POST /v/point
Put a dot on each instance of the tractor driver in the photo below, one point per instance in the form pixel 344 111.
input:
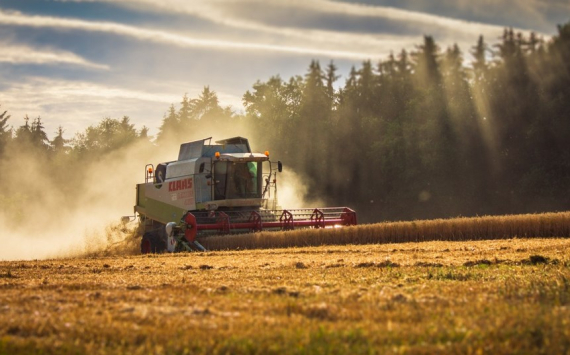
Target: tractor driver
pixel 252 167
pixel 246 179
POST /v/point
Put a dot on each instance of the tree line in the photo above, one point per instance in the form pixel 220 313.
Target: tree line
pixel 421 134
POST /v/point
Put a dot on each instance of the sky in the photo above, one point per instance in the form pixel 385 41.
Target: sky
pixel 75 62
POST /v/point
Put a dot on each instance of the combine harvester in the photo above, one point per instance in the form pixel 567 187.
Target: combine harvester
pixel 218 189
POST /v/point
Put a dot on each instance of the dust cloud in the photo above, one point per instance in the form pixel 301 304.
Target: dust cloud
pixel 62 210
pixel 60 207
pixel 292 191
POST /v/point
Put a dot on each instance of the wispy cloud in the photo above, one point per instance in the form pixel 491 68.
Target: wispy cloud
pixel 535 15
pixel 249 15
pixel 19 19
pixel 248 23
pixel 23 54
pixel 283 38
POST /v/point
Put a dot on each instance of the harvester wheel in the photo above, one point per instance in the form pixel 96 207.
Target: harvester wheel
pixel 151 243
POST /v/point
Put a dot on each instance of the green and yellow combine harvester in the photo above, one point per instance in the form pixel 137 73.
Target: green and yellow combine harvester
pixel 218 189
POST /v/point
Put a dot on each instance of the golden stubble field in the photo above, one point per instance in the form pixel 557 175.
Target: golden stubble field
pixel 500 296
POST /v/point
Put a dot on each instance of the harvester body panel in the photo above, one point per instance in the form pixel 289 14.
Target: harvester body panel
pixel 219 188
pixel 167 201
pixel 205 177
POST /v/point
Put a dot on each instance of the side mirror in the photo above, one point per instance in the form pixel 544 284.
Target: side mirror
pixel 279 166
pixel 208 176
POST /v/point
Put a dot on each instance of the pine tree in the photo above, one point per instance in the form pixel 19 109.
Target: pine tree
pixel 39 136
pixel 59 144
pixel 143 133
pixel 185 114
pixel 170 125
pixel 426 60
pixel 5 131
pixel 126 131
pixel 24 133
pixel 313 125
pixel 206 104
pixel 331 78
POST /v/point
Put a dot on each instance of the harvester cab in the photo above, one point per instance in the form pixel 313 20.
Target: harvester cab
pixel 217 189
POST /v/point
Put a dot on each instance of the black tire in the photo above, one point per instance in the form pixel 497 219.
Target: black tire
pixel 151 243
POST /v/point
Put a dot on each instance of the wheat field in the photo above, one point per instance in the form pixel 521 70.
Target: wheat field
pixel 498 296
pixel 544 225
